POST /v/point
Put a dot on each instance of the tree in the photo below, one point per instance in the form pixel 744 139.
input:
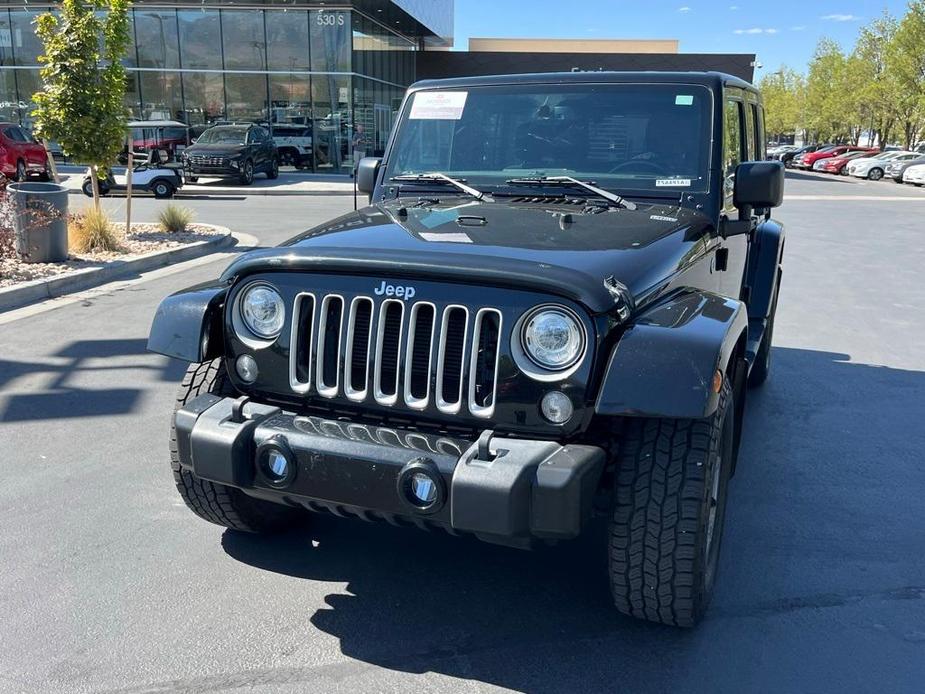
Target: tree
pixel 877 90
pixel 783 93
pixel 905 66
pixel 81 104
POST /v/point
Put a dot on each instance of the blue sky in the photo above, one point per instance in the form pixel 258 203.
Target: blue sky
pixel 779 31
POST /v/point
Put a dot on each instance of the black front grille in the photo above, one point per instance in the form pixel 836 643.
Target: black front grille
pixel 486 360
pixel 454 346
pixel 391 339
pixel 419 377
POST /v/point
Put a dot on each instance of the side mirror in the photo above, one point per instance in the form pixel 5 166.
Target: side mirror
pixel 758 184
pixel 367 171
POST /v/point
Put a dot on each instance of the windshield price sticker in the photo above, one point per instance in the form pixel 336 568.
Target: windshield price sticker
pixel 669 182
pixel 438 105
pixel 684 100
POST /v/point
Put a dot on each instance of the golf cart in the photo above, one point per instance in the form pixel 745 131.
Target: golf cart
pixel 156 176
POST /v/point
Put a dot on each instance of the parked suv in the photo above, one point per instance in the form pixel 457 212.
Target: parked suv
pixel 549 310
pixel 20 154
pixel 238 150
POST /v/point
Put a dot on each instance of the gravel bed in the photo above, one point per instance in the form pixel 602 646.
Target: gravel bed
pixel 145 238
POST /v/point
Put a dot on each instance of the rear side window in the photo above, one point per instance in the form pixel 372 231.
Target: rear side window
pixel 732 145
pixel 760 150
pixel 751 152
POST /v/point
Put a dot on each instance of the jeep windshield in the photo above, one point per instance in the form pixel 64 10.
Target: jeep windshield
pixel 221 135
pixel 642 138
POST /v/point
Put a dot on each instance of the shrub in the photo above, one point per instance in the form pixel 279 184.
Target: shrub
pixel 92 230
pixel 175 218
pixel 7 235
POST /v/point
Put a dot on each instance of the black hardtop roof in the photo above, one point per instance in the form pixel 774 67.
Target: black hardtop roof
pixel 707 79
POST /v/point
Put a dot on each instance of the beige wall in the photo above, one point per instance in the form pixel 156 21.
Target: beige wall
pixel 574 45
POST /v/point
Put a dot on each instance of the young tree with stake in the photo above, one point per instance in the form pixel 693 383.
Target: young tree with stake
pixel 81 104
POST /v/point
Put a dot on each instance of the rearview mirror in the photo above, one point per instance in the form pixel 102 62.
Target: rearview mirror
pixel 758 184
pixel 367 171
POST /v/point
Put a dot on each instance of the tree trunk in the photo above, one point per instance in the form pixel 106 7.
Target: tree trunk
pixel 128 187
pixel 95 184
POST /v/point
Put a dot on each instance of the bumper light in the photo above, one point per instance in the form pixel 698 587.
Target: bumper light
pixel 276 463
pixel 246 366
pixel 557 407
pixel 421 486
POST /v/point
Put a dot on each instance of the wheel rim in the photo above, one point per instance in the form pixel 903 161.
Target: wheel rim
pixel 286 159
pixel 876 175
pixel 275 167
pixel 160 189
pixel 248 171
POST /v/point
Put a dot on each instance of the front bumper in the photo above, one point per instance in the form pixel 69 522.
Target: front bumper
pixel 501 490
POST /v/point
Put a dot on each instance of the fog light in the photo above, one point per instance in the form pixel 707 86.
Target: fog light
pixel 557 407
pixel 276 462
pixel 246 366
pixel 423 488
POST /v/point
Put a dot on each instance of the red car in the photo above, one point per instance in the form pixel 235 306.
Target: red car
pixel 839 164
pixel 20 154
pixel 813 157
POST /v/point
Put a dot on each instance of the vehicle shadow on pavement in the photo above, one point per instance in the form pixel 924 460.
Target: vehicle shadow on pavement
pixel 543 621
pixel 73 381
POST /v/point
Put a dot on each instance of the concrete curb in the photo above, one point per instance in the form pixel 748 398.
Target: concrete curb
pixel 79 280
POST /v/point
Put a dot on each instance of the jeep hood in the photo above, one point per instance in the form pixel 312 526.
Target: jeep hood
pixel 593 256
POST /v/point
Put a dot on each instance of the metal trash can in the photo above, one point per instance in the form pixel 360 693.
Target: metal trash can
pixel 39 221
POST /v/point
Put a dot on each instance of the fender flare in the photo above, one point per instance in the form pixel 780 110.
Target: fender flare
pixel 664 364
pixel 188 324
pixel 764 268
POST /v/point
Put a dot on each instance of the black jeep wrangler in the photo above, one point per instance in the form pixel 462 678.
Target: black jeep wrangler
pixel 549 311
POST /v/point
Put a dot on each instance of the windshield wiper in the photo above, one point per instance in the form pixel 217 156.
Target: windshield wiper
pixel 569 181
pixel 437 177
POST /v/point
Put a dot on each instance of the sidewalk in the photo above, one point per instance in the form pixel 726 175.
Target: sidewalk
pixel 287 184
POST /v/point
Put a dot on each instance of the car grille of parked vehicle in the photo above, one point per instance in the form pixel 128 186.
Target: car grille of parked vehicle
pixel 205 160
pixel 377 367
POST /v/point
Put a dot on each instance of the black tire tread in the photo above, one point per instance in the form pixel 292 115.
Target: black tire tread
pixel 218 503
pixel 654 557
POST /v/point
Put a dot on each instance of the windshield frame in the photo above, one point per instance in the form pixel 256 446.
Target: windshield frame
pixel 708 168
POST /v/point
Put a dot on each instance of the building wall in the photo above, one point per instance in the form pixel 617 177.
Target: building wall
pixel 574 45
pixel 339 73
pixel 438 64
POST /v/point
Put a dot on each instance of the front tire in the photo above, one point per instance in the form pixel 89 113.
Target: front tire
pixel 218 503
pixel 247 173
pixel 162 190
pixel 875 174
pixel 21 174
pixel 665 534
pixel 273 171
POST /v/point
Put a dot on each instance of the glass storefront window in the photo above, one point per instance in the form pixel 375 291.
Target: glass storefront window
pixel 200 39
pixel 246 97
pixel 204 94
pixel 244 39
pixel 290 99
pixel 287 40
pixel 28 82
pixel 157 38
pixel 333 128
pixel 161 96
pixel 330 40
pixel 6 38
pixel 26 45
pixel 9 101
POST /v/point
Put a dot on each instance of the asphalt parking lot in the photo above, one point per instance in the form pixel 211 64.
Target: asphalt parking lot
pixel 109 584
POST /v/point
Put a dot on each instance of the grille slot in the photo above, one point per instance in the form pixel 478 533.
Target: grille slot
pixel 450 358
pixel 388 343
pixel 300 344
pixel 359 335
pixel 328 357
pixel 483 369
pixel 418 355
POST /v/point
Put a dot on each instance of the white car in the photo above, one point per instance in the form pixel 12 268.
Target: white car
pixel 915 175
pixel 873 168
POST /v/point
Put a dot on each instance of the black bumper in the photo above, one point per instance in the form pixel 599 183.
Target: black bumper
pixel 502 490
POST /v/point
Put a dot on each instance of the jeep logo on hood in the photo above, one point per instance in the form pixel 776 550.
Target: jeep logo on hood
pixel 398 291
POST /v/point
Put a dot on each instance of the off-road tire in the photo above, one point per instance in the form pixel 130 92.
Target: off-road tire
pixel 218 503
pixel 762 366
pixel 662 567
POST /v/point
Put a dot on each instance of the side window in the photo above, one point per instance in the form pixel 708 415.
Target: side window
pixel 732 145
pixel 760 150
pixel 750 149
pixel 10 134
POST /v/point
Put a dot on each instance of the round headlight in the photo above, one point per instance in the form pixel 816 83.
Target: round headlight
pixel 262 310
pixel 553 338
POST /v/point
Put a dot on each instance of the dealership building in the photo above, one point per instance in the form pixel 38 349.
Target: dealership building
pixel 337 68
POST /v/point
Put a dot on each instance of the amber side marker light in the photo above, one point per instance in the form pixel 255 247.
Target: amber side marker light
pixel 717 381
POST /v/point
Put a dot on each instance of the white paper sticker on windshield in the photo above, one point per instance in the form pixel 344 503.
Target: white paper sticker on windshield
pixel 438 105
pixel 669 182
pixel 684 100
